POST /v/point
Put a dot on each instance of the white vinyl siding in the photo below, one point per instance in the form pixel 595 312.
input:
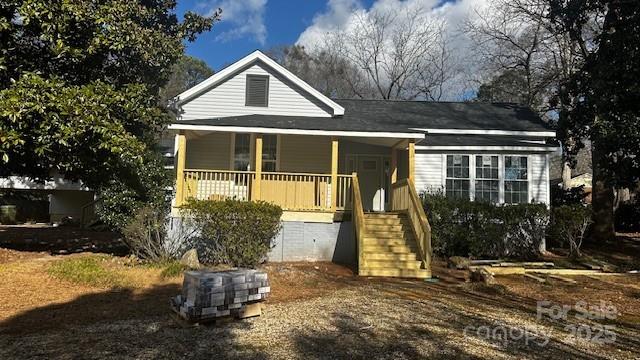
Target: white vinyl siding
pixel 209 151
pixel 229 99
pixel 539 178
pixel 431 172
pixel 310 154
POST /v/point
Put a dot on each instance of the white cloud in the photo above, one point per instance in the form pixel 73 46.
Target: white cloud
pixel 340 15
pixel 244 17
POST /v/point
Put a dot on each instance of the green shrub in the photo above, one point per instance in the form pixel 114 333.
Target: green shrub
pixel 86 271
pixel 571 196
pixel 569 224
pixel 465 228
pixel 238 233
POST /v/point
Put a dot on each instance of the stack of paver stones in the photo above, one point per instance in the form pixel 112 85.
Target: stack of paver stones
pixel 212 294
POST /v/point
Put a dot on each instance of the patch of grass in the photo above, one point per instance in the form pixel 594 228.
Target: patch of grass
pixel 172 269
pixel 87 271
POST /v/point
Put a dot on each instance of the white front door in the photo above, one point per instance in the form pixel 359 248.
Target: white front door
pixel 370 176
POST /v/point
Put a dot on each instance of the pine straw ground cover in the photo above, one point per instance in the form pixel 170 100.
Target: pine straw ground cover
pixel 50 310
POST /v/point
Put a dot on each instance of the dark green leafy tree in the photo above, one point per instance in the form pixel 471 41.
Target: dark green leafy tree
pixel 604 96
pixel 79 85
pixel 509 86
pixel 186 73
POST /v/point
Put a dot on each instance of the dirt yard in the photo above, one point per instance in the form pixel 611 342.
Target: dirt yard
pixel 316 311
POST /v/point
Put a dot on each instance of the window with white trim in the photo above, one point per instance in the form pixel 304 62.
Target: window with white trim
pixel 241 152
pixel 269 152
pixel 487 180
pixel 516 182
pixel 457 182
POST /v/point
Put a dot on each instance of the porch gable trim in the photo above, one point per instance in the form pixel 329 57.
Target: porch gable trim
pixel 249 59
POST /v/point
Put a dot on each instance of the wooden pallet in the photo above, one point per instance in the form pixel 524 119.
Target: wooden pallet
pixel 247 311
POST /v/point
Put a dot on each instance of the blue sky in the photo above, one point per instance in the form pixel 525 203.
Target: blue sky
pixel 247 25
pixel 284 21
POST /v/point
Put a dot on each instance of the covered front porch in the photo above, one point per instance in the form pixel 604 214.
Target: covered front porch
pixel 309 176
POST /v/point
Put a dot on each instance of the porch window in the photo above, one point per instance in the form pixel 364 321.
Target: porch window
pixel 516 183
pixel 269 152
pixel 487 179
pixel 242 152
pixel 457 183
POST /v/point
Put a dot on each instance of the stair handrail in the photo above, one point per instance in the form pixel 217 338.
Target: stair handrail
pixel 358 220
pixel 414 209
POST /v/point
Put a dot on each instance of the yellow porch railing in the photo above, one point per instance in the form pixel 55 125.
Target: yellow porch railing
pixel 404 198
pixel 291 191
pixel 217 184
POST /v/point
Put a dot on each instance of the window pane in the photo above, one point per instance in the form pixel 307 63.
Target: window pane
pixel 241 152
pixel 269 147
pixel 516 186
pixel 269 166
pixel 457 182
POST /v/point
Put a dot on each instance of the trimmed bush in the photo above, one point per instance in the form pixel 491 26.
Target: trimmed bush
pixel 464 228
pixel 569 224
pixel 238 233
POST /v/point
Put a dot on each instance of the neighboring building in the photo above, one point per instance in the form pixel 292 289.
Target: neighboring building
pixel 256 131
pixel 66 199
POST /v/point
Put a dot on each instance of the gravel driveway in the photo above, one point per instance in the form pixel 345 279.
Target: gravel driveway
pixel 372 319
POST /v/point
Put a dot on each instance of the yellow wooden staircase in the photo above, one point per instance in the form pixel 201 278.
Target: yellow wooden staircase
pixel 395 243
pixel 389 247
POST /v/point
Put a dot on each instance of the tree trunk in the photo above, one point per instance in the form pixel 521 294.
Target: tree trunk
pixel 602 202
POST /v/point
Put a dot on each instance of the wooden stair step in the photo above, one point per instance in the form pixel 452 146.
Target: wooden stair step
pixel 382 216
pixel 396 249
pixel 387 242
pixel 408 273
pixel 392 264
pixel 390 256
pixel 370 222
pixel 386 227
pixel 388 235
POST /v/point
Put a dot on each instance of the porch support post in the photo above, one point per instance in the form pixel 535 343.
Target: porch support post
pixel 412 160
pixel 258 180
pixel 182 157
pixel 334 173
pixel 394 165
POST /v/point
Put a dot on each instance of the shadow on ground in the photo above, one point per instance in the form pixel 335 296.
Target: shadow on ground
pixel 118 324
pixel 60 240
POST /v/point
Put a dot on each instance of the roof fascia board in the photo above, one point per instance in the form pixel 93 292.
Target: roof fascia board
pixel 488 132
pixel 261 130
pixel 488 148
pixel 257 55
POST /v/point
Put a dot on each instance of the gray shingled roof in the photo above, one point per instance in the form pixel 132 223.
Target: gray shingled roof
pixel 398 116
pixel 445 115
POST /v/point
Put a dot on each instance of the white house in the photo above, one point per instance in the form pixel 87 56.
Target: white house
pixel 255 131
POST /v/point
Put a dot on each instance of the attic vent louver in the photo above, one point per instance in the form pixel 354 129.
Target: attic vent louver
pixel 257 93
